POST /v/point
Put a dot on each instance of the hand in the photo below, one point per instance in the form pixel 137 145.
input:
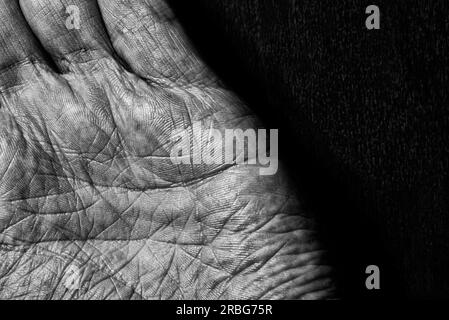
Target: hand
pixel 88 187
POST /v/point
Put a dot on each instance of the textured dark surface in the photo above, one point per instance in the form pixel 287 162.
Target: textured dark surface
pixel 362 117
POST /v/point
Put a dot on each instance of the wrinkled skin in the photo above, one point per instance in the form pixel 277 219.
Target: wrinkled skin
pixel 86 182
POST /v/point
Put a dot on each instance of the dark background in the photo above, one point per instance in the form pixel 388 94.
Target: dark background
pixel 362 117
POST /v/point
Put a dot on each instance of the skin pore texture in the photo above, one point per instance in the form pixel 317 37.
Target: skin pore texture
pixel 85 176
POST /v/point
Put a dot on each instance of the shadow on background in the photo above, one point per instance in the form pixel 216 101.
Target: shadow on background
pixel 361 117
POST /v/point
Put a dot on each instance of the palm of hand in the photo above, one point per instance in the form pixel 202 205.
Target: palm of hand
pixel 86 179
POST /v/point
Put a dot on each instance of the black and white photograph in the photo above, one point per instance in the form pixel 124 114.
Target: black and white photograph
pixel 246 151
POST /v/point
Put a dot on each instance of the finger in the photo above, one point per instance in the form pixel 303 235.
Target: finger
pixel 18 46
pixel 148 37
pixel 72 31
